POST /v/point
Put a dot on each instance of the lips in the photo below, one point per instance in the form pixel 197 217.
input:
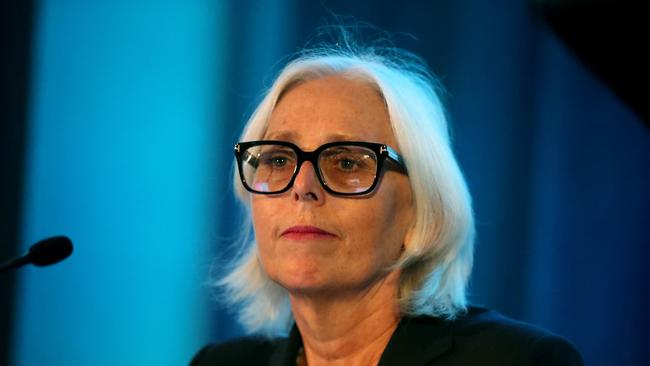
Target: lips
pixel 302 232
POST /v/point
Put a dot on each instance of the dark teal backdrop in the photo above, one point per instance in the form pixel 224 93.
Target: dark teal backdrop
pixel 133 110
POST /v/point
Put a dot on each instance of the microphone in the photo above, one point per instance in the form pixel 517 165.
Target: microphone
pixel 43 253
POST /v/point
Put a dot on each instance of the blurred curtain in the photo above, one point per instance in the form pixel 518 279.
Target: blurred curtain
pixel 121 127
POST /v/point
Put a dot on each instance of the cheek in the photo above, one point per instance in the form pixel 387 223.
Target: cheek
pixel 393 218
pixel 375 234
pixel 264 210
pixel 263 214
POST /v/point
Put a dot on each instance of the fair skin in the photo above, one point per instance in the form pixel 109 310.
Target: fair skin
pixel 342 297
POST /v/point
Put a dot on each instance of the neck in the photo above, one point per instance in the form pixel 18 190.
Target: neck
pixel 348 329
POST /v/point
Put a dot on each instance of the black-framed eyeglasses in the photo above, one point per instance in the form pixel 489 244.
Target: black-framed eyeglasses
pixel 343 167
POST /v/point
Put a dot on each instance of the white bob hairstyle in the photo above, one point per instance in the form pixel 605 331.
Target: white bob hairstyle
pixel 437 260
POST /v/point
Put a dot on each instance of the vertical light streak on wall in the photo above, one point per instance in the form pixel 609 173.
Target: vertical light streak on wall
pixel 124 112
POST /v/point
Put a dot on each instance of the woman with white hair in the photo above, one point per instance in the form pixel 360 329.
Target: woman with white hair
pixel 363 227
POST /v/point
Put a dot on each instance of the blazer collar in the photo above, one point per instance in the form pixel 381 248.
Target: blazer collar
pixel 415 341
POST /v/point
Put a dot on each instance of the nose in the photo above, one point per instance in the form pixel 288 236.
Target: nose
pixel 306 186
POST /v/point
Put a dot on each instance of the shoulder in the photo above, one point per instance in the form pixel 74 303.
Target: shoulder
pixel 487 335
pixel 238 352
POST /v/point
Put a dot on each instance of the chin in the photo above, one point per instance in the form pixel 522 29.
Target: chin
pixel 300 277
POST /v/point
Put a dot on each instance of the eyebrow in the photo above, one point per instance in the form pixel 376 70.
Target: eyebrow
pixel 280 135
pixel 291 136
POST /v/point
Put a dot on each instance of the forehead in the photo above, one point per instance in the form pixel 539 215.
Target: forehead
pixel 332 108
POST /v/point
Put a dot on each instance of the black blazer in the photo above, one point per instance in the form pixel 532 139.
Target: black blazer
pixel 481 337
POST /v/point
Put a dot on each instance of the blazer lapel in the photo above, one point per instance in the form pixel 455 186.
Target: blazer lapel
pixel 417 341
pixel 286 349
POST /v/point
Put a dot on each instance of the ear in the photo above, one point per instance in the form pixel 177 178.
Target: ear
pixel 407 243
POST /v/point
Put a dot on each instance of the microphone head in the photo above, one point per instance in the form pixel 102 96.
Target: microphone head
pixel 49 251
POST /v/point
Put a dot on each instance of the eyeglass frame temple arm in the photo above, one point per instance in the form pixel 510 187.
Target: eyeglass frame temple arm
pixel 394 156
pixel 248 157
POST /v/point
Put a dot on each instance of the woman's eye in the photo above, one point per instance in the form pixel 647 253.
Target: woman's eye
pixel 348 164
pixel 279 161
pixel 275 160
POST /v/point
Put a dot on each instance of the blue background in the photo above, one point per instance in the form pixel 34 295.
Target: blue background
pixel 133 109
